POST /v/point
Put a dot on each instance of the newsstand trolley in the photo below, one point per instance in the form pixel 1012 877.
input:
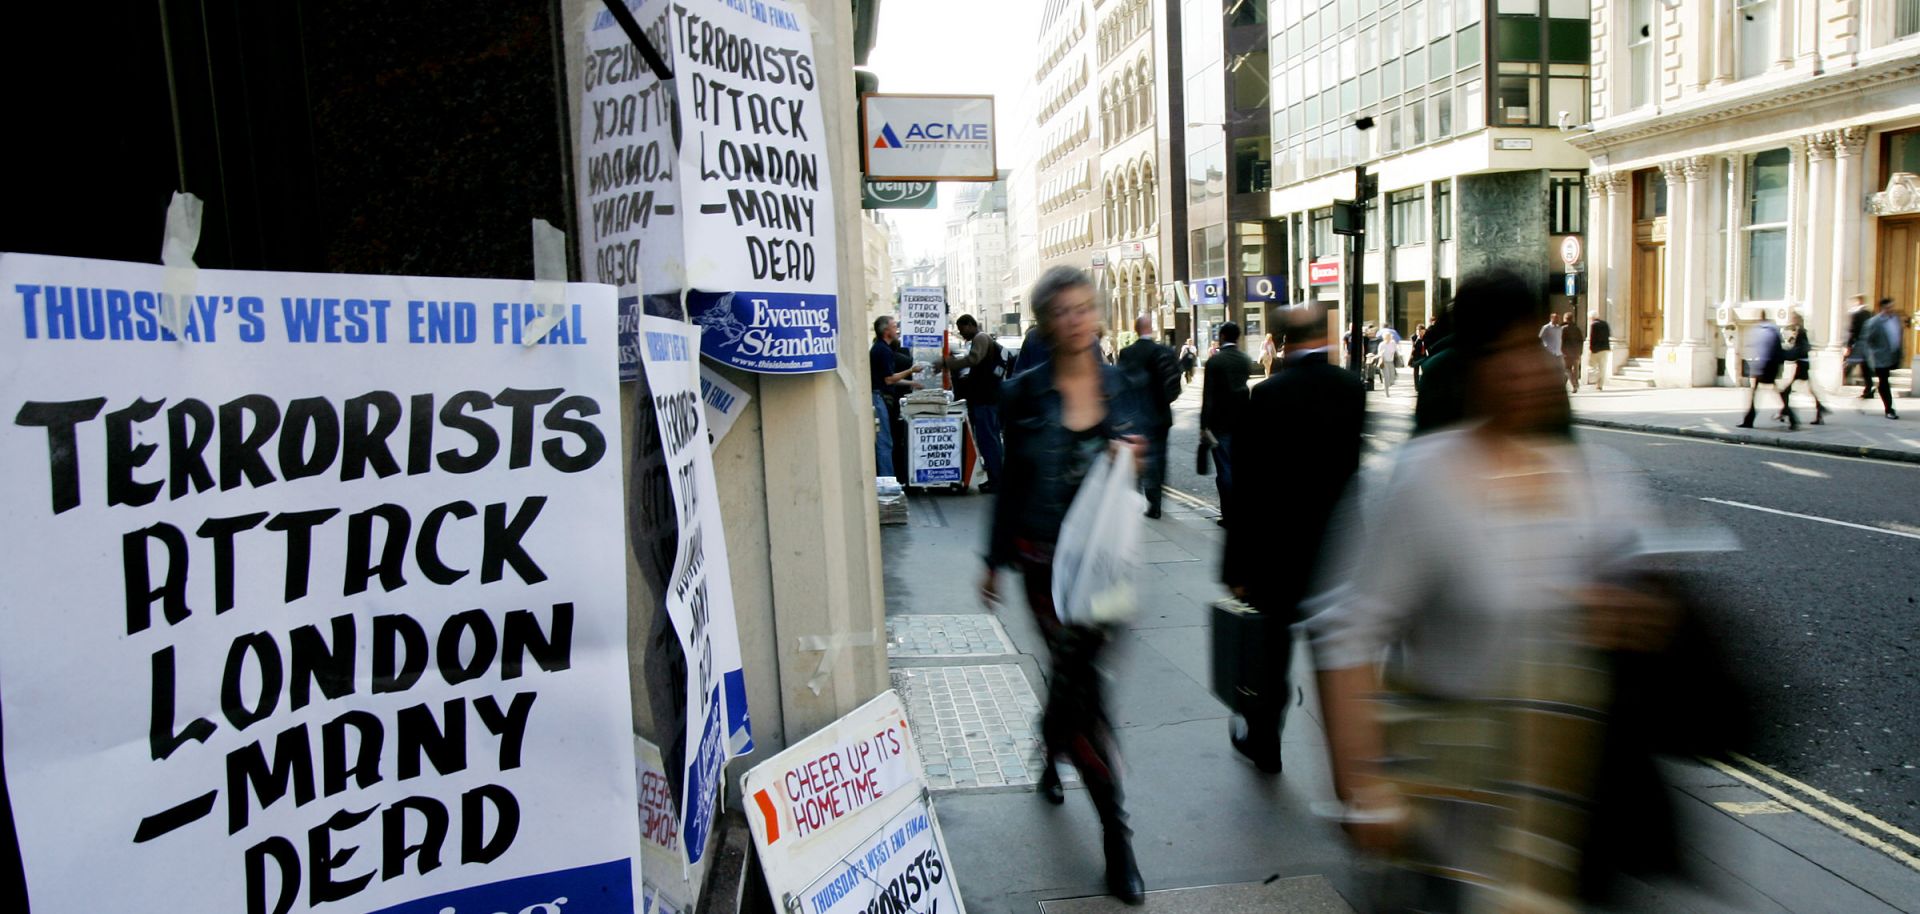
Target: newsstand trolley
pixel 954 409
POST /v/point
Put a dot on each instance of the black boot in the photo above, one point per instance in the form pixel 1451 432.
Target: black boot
pixel 1123 874
pixel 1050 789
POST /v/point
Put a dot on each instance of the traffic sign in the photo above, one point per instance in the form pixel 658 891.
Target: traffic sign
pixel 1570 250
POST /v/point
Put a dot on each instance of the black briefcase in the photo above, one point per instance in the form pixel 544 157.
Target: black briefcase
pixel 1240 638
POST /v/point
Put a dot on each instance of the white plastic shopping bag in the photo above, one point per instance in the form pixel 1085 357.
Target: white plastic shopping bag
pixel 1098 550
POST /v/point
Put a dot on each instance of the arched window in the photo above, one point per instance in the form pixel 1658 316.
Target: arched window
pixel 1150 194
pixel 1144 99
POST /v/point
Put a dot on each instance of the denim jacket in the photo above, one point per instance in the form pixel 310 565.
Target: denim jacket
pixel 1037 483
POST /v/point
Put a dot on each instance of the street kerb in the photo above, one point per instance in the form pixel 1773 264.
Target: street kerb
pixel 844 817
pixel 1792 444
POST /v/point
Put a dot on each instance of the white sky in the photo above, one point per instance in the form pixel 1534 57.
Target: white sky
pixel 975 47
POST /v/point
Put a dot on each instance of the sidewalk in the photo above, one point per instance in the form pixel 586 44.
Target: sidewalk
pixel 1854 428
pixel 1211 832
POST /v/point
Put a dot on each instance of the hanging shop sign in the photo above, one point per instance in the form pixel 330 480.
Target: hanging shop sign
pixel 1272 288
pixel 928 137
pixel 341 610
pixel 897 195
pixel 1323 272
pixel 1210 291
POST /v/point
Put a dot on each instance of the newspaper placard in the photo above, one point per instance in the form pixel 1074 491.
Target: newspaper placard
pixel 318 607
pixel 725 401
pixel 668 883
pixel 934 451
pixel 699 591
pixel 762 267
pixel 902 867
pixel 923 317
pixel 630 217
pixel 859 760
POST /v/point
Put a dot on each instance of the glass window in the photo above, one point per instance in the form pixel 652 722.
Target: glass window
pixel 1903 153
pixel 1568 40
pixel 1467 11
pixel 1439 17
pixel 1413 25
pixel 1349 54
pixel 1390 78
pixel 1906 17
pixel 1407 210
pixel 1640 53
pixel 1253 247
pixel 1389 35
pixel 1320 233
pixel 1471 106
pixel 1369 49
pixel 1250 81
pixel 1649 194
pixel 1247 12
pixel 1414 65
pixel 1469 45
pixel 1206 174
pixel 1440 56
pixel 1767 225
pixel 1395 131
pixel 1570 96
pixel 1349 97
pixel 1252 170
pixel 1754 43
pixel 1373 224
pixel 1369 87
pixel 1568 199
pixel 1441 104
pixel 1517 38
pixel 1519 7
pixel 1415 113
pixel 1443 211
pixel 1516 100
pixel 1569 9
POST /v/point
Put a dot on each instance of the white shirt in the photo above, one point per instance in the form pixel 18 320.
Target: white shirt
pixel 1550 337
pixel 1389 343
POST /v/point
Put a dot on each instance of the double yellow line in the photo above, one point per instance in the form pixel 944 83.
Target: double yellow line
pixel 1838 815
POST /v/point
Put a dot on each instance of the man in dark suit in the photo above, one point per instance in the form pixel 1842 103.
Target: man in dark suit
pixel 1303 426
pixel 1154 367
pixel 1223 399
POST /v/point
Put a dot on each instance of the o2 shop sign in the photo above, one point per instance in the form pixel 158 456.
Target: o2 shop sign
pixel 1210 291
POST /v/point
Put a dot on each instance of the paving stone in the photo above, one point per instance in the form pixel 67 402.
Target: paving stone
pixel 988 740
pixel 947 635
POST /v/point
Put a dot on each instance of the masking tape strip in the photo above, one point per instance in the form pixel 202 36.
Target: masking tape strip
pixel 549 281
pixel 828 646
pixel 182 277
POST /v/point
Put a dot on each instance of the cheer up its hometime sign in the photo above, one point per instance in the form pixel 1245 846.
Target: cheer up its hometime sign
pixel 317 604
pixel 842 821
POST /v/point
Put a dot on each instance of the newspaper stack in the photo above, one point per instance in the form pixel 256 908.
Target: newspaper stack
pixel 932 402
pixel 893 500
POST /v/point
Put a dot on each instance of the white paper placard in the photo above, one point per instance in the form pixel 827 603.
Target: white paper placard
pixel 699 592
pixel 331 589
pixel 902 867
pixel 935 450
pixel 725 401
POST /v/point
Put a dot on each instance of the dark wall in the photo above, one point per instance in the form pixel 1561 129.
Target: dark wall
pixel 325 135
pixel 1503 222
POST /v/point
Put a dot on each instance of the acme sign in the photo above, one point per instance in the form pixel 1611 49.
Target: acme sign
pixel 928 137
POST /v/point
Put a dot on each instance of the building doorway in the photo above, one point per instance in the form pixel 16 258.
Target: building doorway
pixel 1648 271
pixel 1898 273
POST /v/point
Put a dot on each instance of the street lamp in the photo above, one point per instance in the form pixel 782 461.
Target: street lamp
pixel 1354 226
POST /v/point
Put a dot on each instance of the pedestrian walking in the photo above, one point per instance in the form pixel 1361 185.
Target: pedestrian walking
pixel 1267 353
pixel 1550 335
pixel 1881 340
pixel 1796 346
pixel 1058 421
pixel 1763 360
pixel 1189 359
pixel 977 376
pixel 1223 400
pixel 1106 347
pixel 1389 352
pixel 1491 627
pixel 1572 342
pixel 1303 427
pixel 1856 356
pixel 1153 368
pixel 1417 353
pixel 1600 350
pixel 884 376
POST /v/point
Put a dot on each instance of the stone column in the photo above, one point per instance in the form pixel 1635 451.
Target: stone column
pixel 1849 212
pixel 1620 285
pixel 1673 292
pixel 1786 27
pixel 1598 222
pixel 1694 329
pixel 1819 222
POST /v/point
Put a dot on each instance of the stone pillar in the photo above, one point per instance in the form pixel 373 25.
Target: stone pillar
pixel 1599 221
pixel 1818 253
pixel 1673 292
pixel 1700 259
pixel 1620 283
pixel 1849 212
pixel 1785 28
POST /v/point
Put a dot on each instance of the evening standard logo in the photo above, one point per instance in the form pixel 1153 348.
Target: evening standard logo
pixel 935 135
